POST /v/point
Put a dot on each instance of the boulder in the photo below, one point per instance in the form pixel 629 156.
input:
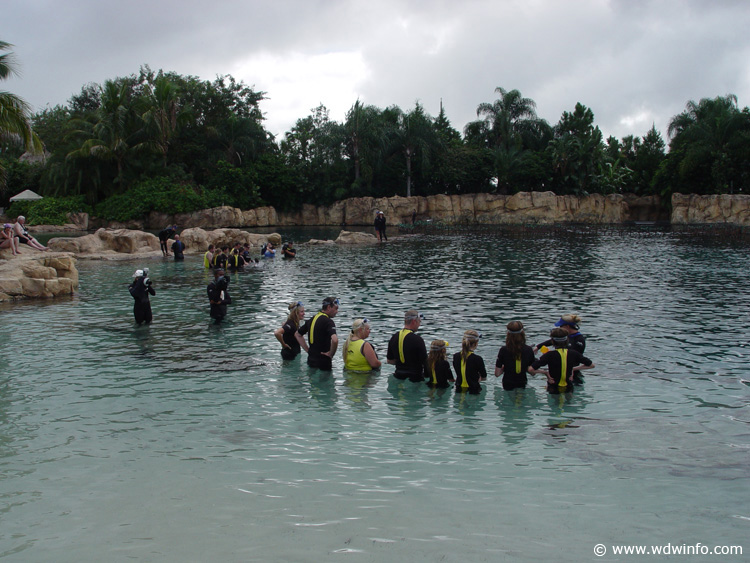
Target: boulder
pixel 38 276
pixel 349 237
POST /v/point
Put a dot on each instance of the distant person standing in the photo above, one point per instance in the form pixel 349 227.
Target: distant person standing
pixel 208 257
pixel 288 250
pixel 407 350
pixel 178 248
pixel 140 290
pixel 380 226
pixel 218 295
pixel 164 236
pixel 321 331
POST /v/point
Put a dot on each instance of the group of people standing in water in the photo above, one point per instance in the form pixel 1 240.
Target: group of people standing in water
pixel 561 365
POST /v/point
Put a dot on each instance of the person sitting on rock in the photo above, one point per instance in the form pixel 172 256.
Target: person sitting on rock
pixel 23 234
pixel 9 239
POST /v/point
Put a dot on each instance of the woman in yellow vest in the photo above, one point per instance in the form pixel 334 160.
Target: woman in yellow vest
pixel 359 355
pixel 468 366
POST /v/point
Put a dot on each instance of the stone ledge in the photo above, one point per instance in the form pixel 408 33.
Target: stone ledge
pixel 39 275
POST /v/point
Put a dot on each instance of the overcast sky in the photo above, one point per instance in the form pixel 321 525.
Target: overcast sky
pixel 633 62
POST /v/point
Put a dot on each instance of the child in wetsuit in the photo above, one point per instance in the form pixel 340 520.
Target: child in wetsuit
pixel 468 365
pixel 439 374
pixel 562 363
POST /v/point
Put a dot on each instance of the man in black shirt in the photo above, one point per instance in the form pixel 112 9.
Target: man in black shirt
pixel 406 349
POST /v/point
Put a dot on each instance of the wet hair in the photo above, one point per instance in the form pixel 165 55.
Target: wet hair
pixel 329 302
pixel 294 308
pixel 469 342
pixel 559 337
pixel 515 338
pixel 438 351
pixel 357 325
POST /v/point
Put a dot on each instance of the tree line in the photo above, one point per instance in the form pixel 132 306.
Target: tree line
pixel 172 143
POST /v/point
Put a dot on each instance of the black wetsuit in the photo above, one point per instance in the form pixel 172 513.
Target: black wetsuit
pixel 415 356
pixel 218 305
pixel 319 339
pixel 475 372
pixel 576 342
pixel 142 306
pixel 442 376
pixel 220 261
pixel 513 379
pixel 164 236
pixel 178 249
pixel 380 226
pixel 553 360
pixel 294 348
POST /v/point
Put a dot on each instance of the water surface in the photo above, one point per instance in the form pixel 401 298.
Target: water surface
pixel 184 441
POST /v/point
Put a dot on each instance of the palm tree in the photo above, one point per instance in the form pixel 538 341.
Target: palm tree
pixel 414 135
pixel 15 120
pixel 711 142
pixel 163 114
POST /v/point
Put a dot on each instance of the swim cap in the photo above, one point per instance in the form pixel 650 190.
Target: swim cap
pixel 138 274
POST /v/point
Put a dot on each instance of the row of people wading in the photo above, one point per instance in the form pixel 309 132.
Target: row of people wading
pixel 561 365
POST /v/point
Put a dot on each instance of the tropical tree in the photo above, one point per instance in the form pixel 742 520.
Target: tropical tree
pixel 577 152
pixel 163 112
pixel 710 147
pixel 511 130
pixel 15 113
pixel 413 136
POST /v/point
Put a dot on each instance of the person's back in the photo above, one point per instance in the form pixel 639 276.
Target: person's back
pixel 469 366
pixel 407 350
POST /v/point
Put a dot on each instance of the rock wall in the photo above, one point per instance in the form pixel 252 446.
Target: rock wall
pixel 711 209
pixel 520 208
pixel 40 275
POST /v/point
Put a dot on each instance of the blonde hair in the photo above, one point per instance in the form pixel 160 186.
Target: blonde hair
pixel 571 318
pixel 469 342
pixel 438 351
pixel 357 325
pixel 294 308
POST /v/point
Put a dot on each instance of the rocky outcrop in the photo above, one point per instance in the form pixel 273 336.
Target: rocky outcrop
pixel 349 237
pixel 108 241
pixel 711 209
pixel 40 275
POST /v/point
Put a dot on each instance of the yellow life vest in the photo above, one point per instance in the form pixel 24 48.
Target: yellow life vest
pixel 312 324
pixel 518 365
pixel 355 359
pixel 401 336
pixel 563 367
pixel 206 261
pixel 464 383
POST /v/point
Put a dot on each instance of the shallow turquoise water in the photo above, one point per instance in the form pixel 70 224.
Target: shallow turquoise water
pixel 183 441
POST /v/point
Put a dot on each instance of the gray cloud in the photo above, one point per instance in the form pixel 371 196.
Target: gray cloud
pixel 633 63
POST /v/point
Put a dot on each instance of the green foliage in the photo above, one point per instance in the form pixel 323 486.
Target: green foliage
pixel 20 176
pixel 156 194
pixel 48 211
pixel 236 186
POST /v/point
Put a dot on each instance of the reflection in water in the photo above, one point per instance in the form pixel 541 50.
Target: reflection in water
pixel 210 446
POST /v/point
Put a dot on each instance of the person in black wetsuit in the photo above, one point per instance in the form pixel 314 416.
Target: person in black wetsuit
pixel 380 226
pixel 164 236
pixel 406 349
pixel 321 331
pixel 178 248
pixel 140 290
pixel 469 366
pixel 290 348
pixel 218 295
pixel 562 363
pixel 288 250
pixel 576 340
pixel 439 374
pixel 514 359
